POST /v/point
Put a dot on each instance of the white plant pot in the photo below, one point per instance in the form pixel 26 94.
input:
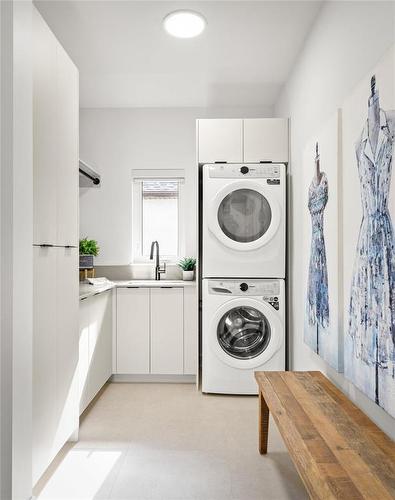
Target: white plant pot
pixel 188 275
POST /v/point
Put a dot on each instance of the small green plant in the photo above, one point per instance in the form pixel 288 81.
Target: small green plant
pixel 89 247
pixel 187 263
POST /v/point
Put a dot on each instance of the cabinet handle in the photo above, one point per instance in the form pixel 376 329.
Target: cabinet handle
pixel 46 245
pixel 220 161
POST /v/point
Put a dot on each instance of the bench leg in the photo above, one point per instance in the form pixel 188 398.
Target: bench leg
pixel 263 424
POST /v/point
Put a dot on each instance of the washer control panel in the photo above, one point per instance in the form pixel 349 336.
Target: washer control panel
pixel 270 171
pixel 266 289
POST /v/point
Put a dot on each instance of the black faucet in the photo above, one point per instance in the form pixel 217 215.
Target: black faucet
pixel 158 269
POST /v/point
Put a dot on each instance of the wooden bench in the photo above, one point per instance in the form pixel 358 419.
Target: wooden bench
pixel 338 451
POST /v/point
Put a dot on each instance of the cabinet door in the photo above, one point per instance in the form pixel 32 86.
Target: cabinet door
pixel 190 331
pixel 220 140
pixel 265 139
pixel 67 150
pixel 44 359
pixel 45 132
pixel 167 306
pixel 67 283
pixel 100 342
pixel 133 330
pixel 83 362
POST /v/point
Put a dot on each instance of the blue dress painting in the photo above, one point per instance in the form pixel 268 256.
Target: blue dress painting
pixel 317 286
pixel 371 325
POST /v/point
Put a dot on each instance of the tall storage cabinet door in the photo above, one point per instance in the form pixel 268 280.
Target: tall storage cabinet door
pixel 167 306
pixel 133 327
pixel 45 132
pixel 67 150
pixel 67 283
pixel 44 359
pixel 220 140
pixel 266 139
pixel 100 342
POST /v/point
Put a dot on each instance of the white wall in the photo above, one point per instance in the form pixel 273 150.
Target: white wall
pixel 22 252
pixel 116 141
pixel 16 250
pixel 347 39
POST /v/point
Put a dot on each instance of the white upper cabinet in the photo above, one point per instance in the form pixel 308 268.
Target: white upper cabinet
pixel 265 139
pixel 220 140
pixel 167 331
pixel 55 140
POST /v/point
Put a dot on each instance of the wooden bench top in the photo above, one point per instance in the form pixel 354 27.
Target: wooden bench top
pixel 338 451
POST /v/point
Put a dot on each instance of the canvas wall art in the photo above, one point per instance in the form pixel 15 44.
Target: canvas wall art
pixel 368 241
pixel 321 222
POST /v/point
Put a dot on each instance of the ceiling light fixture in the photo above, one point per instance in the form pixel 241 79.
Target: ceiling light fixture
pixel 184 23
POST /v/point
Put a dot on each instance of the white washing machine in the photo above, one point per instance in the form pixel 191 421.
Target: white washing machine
pixel 244 220
pixel 243 331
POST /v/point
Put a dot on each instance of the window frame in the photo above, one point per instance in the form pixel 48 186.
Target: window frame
pixel 138 176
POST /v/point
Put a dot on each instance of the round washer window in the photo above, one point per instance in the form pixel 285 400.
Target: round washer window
pixel 243 332
pixel 244 215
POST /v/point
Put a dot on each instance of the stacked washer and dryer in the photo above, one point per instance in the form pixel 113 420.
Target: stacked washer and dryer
pixel 243 233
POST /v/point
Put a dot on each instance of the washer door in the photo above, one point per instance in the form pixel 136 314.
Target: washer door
pixel 244 216
pixel 245 333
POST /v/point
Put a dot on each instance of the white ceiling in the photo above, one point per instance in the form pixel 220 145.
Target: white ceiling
pixel 126 59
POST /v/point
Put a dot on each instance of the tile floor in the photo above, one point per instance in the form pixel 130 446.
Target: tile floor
pixel 170 442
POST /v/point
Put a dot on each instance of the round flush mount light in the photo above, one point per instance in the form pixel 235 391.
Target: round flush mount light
pixel 184 23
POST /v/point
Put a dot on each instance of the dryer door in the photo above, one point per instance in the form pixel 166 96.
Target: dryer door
pixel 246 333
pixel 244 216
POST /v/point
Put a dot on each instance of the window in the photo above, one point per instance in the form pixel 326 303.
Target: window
pixel 157 215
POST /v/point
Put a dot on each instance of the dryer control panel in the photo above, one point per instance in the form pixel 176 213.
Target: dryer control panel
pixel 268 290
pixel 240 171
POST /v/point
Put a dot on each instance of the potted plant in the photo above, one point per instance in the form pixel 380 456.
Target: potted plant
pixel 88 250
pixel 187 265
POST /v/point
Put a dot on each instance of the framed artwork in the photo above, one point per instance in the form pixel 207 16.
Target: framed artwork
pixel 322 272
pixel 368 236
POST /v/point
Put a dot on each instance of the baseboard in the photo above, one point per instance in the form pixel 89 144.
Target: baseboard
pixel 164 379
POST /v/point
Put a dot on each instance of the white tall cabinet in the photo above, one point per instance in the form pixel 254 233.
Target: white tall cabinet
pixel 55 136
pixel 55 240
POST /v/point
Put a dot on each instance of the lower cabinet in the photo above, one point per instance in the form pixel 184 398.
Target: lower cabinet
pixel 95 345
pixel 167 331
pixel 153 335
pixel 133 330
pixel 55 352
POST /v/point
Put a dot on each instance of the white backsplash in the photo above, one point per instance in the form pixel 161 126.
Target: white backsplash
pixel 137 272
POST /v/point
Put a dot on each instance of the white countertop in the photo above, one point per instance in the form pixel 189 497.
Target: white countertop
pixel 87 290
pixel 154 283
